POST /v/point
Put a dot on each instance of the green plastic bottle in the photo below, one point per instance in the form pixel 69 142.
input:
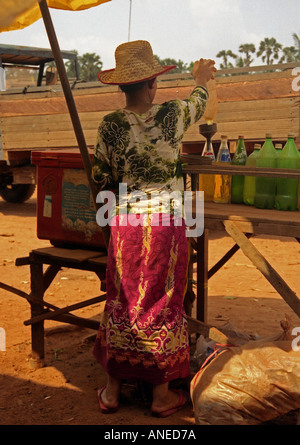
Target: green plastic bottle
pixel 287 189
pixel 237 182
pixel 249 183
pixel 265 188
pixel 278 148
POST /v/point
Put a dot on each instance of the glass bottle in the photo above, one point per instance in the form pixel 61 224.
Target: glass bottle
pixel 206 182
pixel 265 188
pixel 287 188
pixel 249 182
pixel 237 182
pixel 222 182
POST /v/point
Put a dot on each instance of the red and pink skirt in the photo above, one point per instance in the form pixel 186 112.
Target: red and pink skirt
pixel 143 331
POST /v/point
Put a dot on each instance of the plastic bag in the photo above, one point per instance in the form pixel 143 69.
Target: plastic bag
pixel 204 348
pixel 248 384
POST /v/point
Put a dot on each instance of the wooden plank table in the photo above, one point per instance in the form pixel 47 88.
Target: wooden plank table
pixel 241 222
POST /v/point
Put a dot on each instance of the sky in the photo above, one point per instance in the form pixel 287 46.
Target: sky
pixel 180 29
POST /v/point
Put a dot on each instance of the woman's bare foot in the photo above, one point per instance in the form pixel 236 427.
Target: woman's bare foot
pixel 166 402
pixel 111 393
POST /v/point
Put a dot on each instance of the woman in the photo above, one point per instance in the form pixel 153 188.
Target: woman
pixel 143 332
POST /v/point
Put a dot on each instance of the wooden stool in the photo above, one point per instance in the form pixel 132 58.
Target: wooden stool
pixel 56 258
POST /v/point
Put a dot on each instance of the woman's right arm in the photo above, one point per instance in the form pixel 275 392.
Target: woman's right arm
pixel 194 106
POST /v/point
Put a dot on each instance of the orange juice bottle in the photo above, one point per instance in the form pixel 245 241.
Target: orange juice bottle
pixel 207 182
pixel 212 102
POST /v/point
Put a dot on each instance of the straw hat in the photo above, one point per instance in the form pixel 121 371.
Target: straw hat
pixel 134 63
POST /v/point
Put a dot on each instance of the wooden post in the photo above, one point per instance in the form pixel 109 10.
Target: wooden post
pixel 37 329
pixel 202 276
pixel 71 104
pixel 263 266
pixel 189 295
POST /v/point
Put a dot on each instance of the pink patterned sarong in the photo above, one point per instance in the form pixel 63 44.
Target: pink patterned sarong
pixel 143 331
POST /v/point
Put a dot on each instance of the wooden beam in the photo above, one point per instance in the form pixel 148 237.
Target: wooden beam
pixel 37 329
pixel 208 331
pixel 240 170
pixel 224 259
pixel 71 104
pixel 263 266
pixel 65 318
pixel 52 314
pixel 202 278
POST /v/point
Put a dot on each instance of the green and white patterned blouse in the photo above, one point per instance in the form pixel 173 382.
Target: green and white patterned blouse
pixel 143 150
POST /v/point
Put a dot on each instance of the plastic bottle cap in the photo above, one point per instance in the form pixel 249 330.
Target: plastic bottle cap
pixel 268 135
pixel 291 135
pixel 257 146
pixel 278 145
pixel 241 137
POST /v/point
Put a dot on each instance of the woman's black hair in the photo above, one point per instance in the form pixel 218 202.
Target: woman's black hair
pixel 132 87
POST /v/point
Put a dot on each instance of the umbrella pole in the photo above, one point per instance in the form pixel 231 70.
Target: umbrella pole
pixel 70 103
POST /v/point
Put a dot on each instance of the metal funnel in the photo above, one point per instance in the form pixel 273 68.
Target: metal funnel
pixel 208 130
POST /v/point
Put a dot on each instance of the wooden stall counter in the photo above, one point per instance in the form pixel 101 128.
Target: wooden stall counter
pixel 241 222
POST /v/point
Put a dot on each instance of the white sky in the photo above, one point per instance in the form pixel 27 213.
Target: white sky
pixel 181 29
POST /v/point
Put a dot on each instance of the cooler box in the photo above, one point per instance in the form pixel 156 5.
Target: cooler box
pixel 66 214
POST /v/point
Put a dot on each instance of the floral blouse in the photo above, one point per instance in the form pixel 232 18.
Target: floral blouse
pixel 143 150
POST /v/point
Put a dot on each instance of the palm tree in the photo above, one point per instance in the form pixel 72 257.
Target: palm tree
pixel 246 48
pixel 226 54
pixel 269 50
pixel 90 64
pixel 290 54
pixel 297 44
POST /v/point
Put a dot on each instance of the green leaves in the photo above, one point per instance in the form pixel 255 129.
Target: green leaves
pixel 89 66
pixel 269 51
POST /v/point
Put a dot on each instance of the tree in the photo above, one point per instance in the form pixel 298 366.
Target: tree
pixel 269 50
pixel 89 65
pixel 297 44
pixel 290 54
pixel 181 67
pixel 247 49
pixel 239 62
pixel 70 66
pixel 226 54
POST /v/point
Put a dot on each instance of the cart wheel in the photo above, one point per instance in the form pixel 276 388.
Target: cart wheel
pixel 17 193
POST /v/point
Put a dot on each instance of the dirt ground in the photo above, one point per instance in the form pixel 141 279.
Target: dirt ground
pixel 64 391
